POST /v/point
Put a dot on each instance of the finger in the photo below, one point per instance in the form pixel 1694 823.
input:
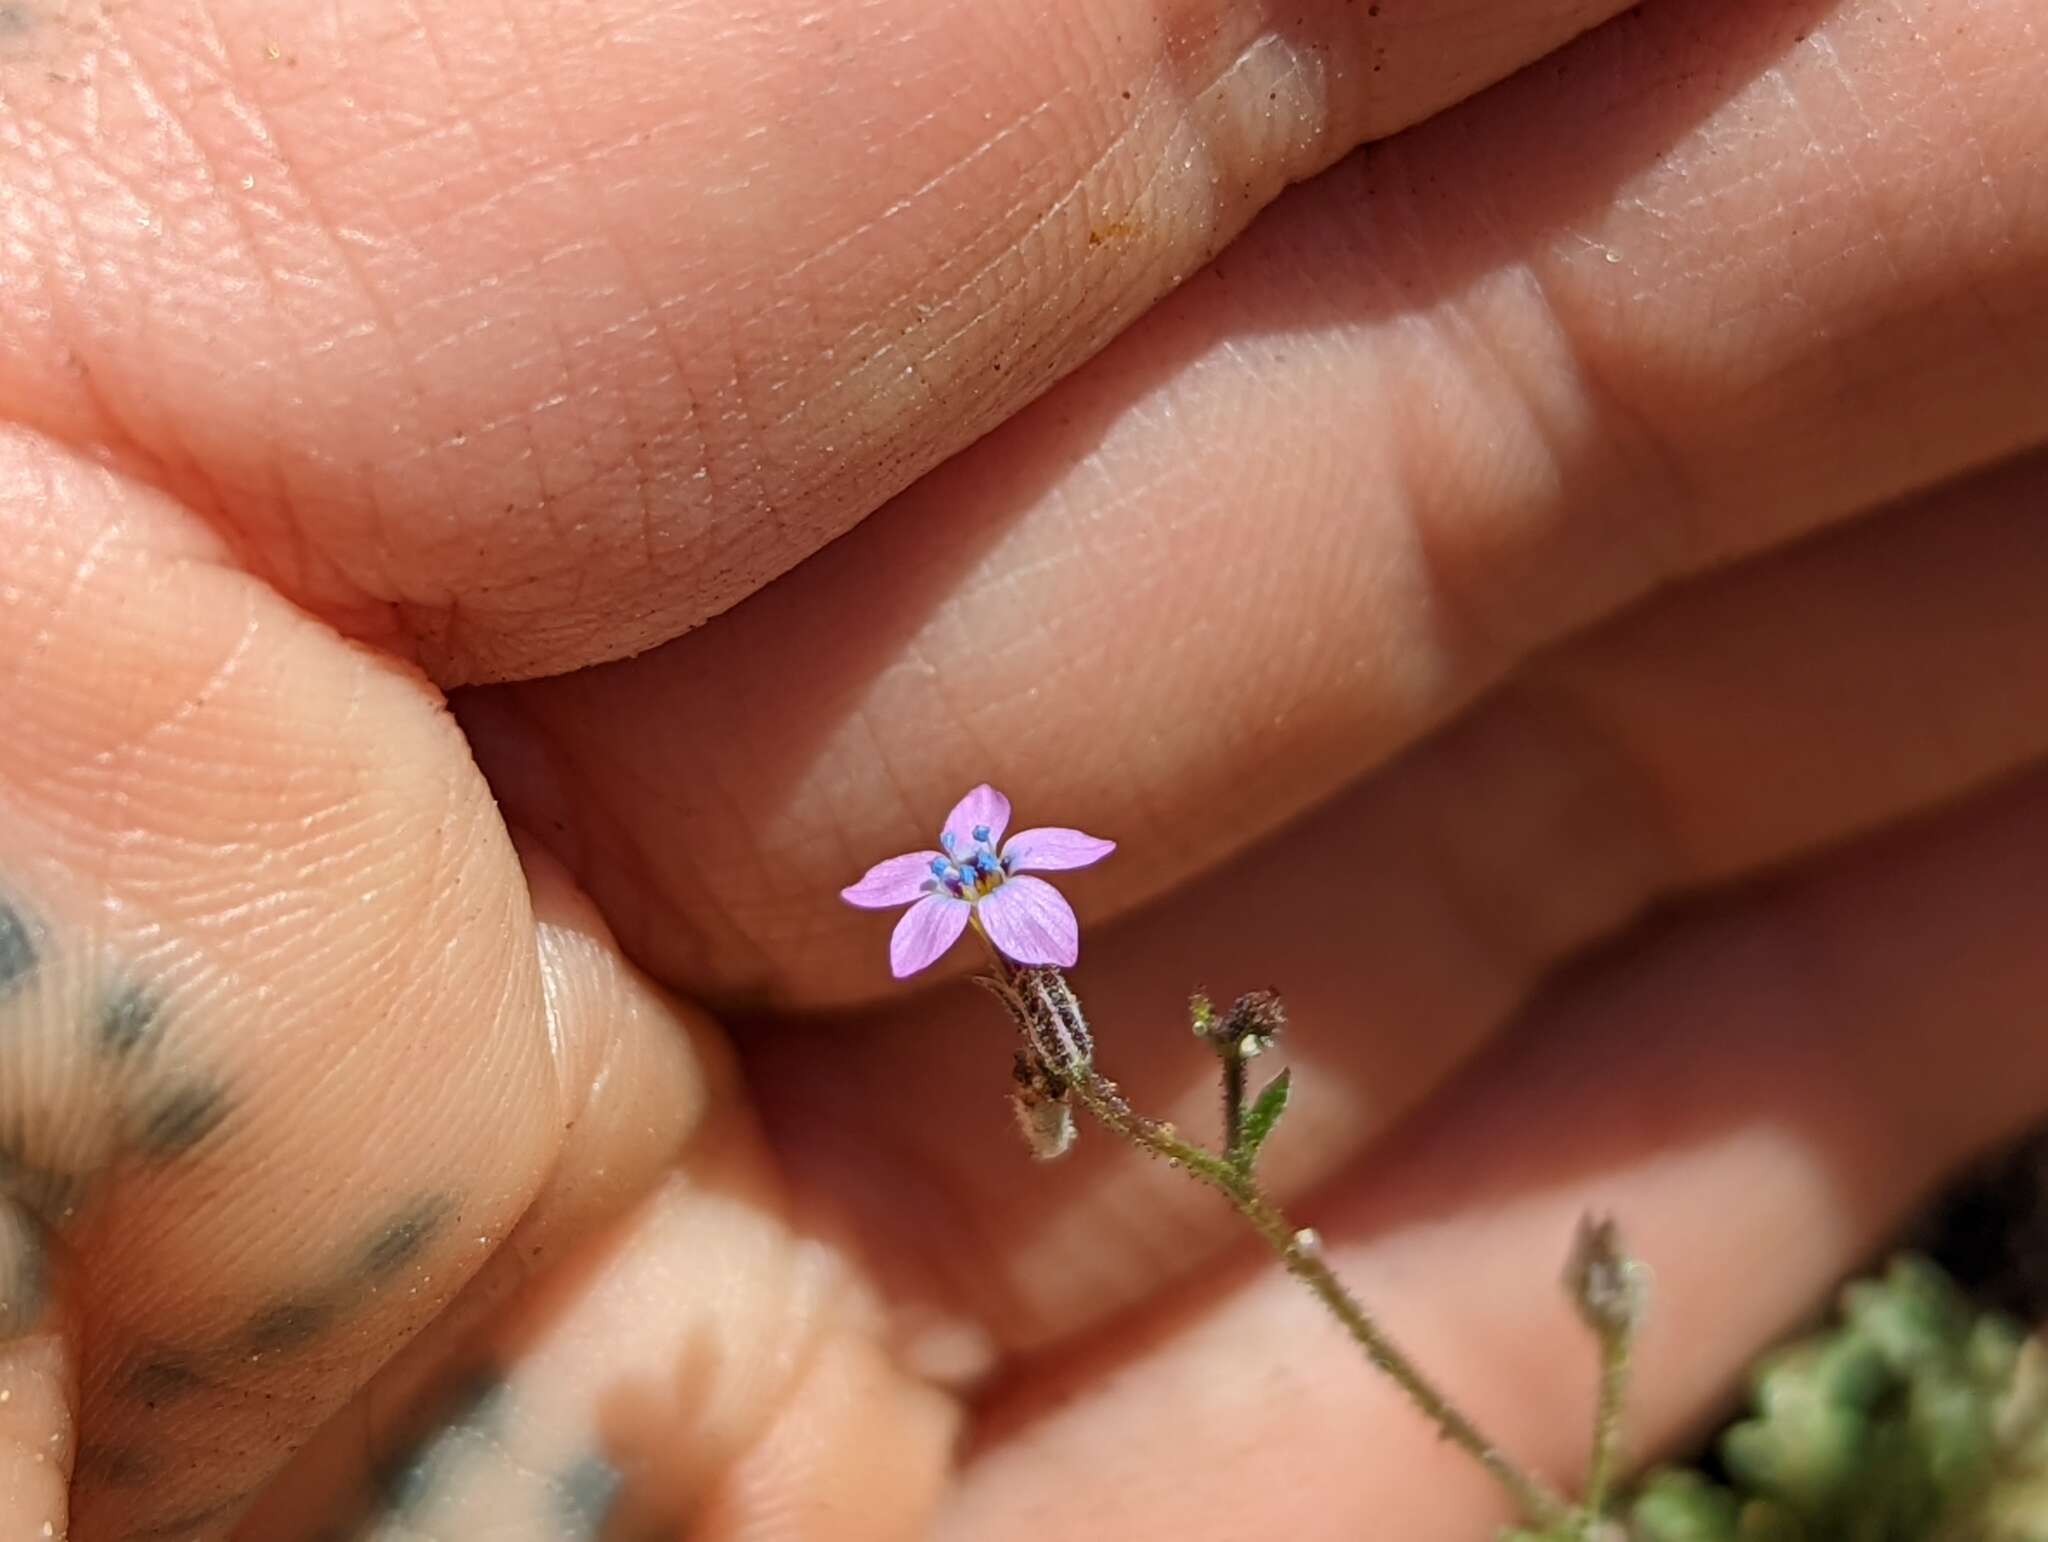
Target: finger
pixel 1761 1095
pixel 699 1372
pixel 660 1110
pixel 694 1365
pixel 274 1071
pixel 1749 721
pixel 1416 425
pixel 644 1078
pixel 522 338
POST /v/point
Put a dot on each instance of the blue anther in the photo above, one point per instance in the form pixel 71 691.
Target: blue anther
pixel 948 839
pixel 940 866
pixel 981 832
pixel 986 861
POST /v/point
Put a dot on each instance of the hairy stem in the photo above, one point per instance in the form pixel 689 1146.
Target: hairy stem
pixel 1234 1079
pixel 1541 1504
pixel 1615 1344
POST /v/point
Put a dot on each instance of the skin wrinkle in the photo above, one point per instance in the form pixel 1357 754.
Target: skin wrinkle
pixel 70 239
pixel 1658 533
pixel 246 80
pixel 1646 458
pixel 1461 637
pixel 57 607
pixel 1082 277
pixel 193 472
pixel 221 675
pixel 544 498
pixel 873 343
pixel 339 242
pixel 351 958
pixel 1997 334
pixel 643 480
pixel 1841 159
pixel 981 313
pixel 932 185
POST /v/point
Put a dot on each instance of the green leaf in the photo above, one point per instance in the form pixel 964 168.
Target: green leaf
pixel 1266 1112
pixel 1682 1506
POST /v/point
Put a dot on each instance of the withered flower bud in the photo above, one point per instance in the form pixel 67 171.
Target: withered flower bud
pixel 1253 1022
pixel 1040 1104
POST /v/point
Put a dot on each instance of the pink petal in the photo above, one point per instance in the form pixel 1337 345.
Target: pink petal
pixel 983 806
pixel 1031 922
pixel 1054 850
pixel 897 881
pixel 927 929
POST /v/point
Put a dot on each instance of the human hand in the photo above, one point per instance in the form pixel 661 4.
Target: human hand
pixel 1540 494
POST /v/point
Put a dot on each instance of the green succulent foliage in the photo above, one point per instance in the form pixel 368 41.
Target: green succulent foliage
pixel 1916 1418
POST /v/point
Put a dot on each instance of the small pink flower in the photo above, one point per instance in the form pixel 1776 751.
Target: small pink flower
pixel 1026 918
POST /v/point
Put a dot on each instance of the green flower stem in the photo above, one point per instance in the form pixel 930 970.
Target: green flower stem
pixel 1542 1505
pixel 1616 1343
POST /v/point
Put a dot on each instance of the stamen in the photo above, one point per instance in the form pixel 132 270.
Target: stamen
pixel 981 834
pixel 941 867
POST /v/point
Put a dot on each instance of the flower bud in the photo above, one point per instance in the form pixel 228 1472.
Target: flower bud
pixel 1605 1284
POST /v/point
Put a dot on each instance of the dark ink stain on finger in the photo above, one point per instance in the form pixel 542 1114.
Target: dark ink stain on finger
pixel 114 1466
pixel 164 1378
pixel 405 1481
pixel 587 1493
pixel 48 1192
pixel 17 937
pixel 399 1241
pixel 409 1478
pixel 24 1273
pixel 183 1524
pixel 289 1325
pixel 478 1400
pixel 180 1119
pixel 126 1021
